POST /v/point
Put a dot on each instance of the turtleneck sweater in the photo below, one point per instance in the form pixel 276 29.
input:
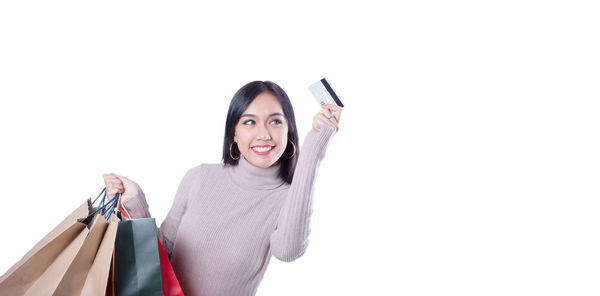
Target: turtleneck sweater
pixel 227 220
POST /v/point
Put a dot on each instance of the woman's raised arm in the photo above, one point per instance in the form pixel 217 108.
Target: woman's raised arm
pixel 290 238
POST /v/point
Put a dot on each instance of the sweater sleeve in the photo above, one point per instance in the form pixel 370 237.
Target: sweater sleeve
pixel 290 238
pixel 138 208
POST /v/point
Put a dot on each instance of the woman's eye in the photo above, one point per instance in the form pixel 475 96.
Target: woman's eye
pixel 249 122
pixel 276 121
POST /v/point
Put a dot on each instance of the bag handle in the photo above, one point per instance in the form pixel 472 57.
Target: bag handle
pixel 123 210
pixel 105 208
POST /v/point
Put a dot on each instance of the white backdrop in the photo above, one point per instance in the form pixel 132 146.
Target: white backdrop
pixel 467 162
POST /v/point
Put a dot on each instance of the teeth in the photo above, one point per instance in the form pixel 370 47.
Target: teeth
pixel 263 149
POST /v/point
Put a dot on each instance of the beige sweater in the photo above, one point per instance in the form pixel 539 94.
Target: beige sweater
pixel 227 221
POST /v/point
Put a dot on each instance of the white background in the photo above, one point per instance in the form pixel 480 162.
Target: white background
pixel 467 162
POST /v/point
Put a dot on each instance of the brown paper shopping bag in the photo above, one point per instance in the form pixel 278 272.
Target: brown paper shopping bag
pixel 67 274
pixel 23 274
pixel 73 259
pixel 49 280
pixel 98 276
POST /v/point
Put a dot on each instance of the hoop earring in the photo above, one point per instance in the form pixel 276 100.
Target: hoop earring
pixel 294 150
pixel 231 148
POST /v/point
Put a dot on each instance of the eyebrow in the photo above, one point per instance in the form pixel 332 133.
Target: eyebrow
pixel 252 115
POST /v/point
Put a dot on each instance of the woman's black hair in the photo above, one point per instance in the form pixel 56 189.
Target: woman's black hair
pixel 240 101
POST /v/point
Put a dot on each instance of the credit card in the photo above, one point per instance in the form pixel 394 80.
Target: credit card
pixel 324 93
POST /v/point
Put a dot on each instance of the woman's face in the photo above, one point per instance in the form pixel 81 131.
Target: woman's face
pixel 261 132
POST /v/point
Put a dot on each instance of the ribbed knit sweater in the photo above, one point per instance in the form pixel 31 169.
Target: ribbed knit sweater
pixel 226 221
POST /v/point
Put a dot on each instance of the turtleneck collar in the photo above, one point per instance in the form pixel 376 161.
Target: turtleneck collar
pixel 247 175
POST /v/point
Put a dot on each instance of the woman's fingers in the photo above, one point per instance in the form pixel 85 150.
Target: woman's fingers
pixel 335 109
pixel 121 185
pixel 131 188
pixel 329 116
pixel 325 117
pixel 110 177
pixel 113 185
pixel 327 121
pixel 338 113
pixel 326 113
pixel 315 125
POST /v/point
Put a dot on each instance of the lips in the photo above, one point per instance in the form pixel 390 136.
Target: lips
pixel 263 150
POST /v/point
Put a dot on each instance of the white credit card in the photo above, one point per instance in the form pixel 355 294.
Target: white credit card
pixel 324 93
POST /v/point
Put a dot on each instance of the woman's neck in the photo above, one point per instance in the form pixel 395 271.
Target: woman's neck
pixel 248 175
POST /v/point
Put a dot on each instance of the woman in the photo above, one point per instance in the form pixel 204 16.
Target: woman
pixel 228 218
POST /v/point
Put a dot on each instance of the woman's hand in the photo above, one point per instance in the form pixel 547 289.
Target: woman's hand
pixel 119 184
pixel 326 117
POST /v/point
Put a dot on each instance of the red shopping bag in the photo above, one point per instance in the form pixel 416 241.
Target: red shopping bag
pixel 170 284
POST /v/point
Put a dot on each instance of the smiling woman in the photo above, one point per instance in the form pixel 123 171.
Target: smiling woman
pixel 263 135
pixel 229 218
pixel 260 124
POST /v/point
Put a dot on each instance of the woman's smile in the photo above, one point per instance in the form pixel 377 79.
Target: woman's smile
pixel 261 131
pixel 263 150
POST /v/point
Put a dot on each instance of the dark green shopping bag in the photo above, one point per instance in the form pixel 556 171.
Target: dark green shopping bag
pixel 137 265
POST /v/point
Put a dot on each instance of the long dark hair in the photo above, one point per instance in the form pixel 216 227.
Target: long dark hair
pixel 240 101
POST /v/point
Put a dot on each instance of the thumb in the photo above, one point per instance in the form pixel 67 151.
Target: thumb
pixel 131 188
pixel 126 181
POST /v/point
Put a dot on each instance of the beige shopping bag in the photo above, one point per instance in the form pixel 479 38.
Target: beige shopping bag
pixel 48 281
pixel 23 274
pixel 67 274
pixel 98 276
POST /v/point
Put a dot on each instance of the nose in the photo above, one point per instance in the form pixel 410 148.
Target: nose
pixel 264 134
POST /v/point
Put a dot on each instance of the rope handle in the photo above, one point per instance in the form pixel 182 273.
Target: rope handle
pixel 105 208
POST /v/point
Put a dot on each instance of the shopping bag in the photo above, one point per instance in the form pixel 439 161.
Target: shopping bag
pixel 62 240
pixel 60 263
pixel 169 281
pixel 67 274
pixel 170 284
pixel 97 279
pixel 110 286
pixel 137 265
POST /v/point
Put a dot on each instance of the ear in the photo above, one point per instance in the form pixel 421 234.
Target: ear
pixel 235 139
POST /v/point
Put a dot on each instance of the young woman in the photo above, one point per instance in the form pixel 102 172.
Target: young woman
pixel 228 218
